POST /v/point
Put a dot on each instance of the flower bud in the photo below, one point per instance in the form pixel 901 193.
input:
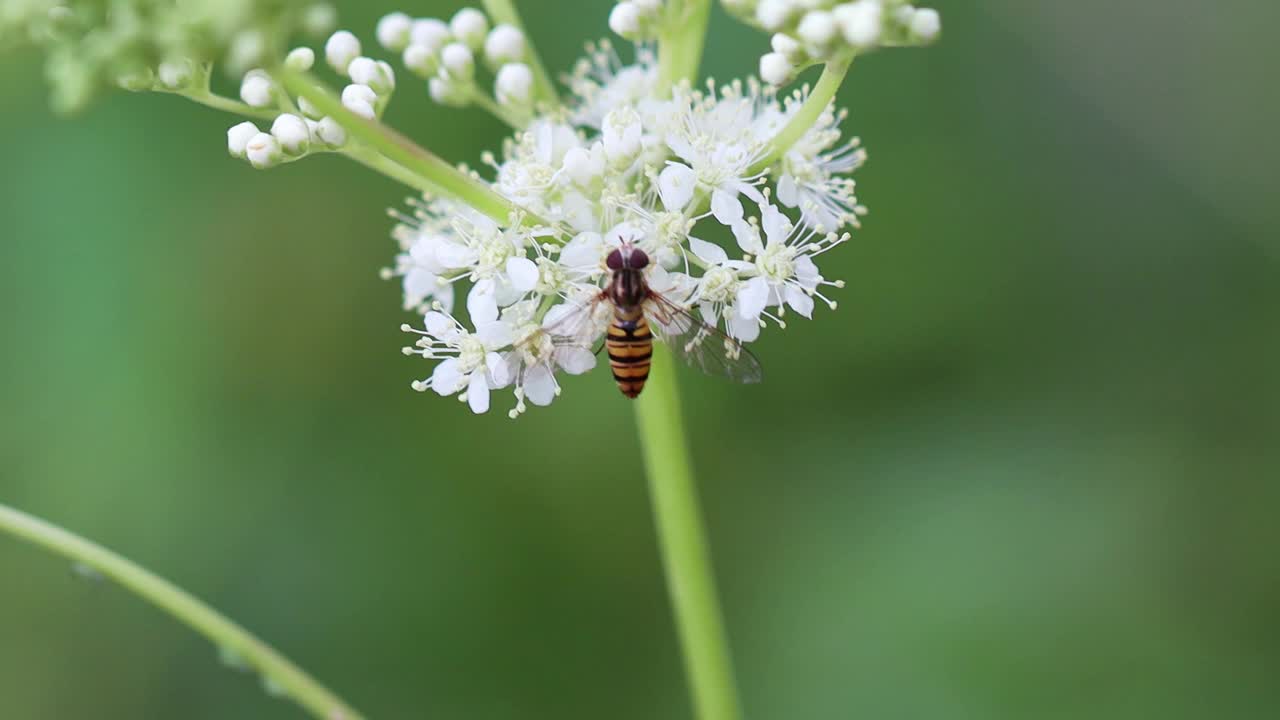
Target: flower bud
pixel 773 14
pixel 300 59
pixel 624 20
pixel 238 137
pixel 341 48
pixel 622 135
pixel 470 26
pixel 263 151
pixel 373 74
pixel 176 74
pixel 457 61
pixel 785 44
pixel 143 78
pixel 448 92
pixel 292 133
pixel 429 32
pixel 420 60
pixel 331 133
pixel 505 44
pixel 360 99
pixel 393 31
pixel 859 22
pixel 583 165
pixel 926 24
pixel 319 19
pixel 817 28
pixel 514 84
pixel 775 68
pixel 256 89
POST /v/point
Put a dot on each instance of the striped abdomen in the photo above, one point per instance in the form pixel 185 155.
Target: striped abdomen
pixel 630 346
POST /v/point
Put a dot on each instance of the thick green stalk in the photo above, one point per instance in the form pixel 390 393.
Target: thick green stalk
pixel 230 638
pixel 504 12
pixel 683 543
pixel 403 151
pixel 680 43
pixel 819 98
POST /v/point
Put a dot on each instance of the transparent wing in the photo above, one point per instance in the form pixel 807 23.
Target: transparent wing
pixel 699 345
pixel 578 322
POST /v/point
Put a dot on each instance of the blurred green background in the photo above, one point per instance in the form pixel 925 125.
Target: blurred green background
pixel 1027 469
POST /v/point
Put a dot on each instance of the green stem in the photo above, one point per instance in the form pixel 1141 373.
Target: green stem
pixel 504 11
pixel 229 637
pixel 379 163
pixel 403 151
pixel 683 544
pixel 226 104
pixel 819 98
pixel 680 42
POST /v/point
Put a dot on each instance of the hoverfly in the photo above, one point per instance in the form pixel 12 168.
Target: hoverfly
pixel 639 313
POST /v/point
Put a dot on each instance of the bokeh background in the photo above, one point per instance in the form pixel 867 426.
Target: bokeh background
pixel 1027 470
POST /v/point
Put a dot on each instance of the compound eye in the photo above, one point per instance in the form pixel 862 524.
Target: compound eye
pixel 639 259
pixel 614 261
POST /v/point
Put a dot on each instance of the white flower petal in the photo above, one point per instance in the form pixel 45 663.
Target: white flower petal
pixel 776 225
pixel 726 207
pixel 523 273
pixel 500 370
pixel 482 305
pixel 799 301
pixel 748 237
pixel 478 393
pixel 539 386
pixel 575 360
pixel 744 329
pixel 495 335
pixel 447 379
pixel 752 298
pixel 675 186
pixel 439 324
pixel 807 272
pixel 788 194
pixel 454 255
pixel 709 252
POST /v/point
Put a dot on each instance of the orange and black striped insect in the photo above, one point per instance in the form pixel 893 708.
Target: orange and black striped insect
pixel 641 313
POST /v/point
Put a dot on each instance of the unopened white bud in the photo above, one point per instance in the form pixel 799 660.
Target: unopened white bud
pixel 341 48
pixel 319 19
pixel 263 151
pixel 300 59
pixel 292 133
pixel 420 60
pixel 457 61
pixel 785 44
pixel 144 78
pixel 817 28
pixel 369 72
pixel 621 133
pixel 773 14
pixel 238 137
pixel 176 74
pixel 505 44
pixel 429 32
pixel 470 26
pixel 247 50
pixel 359 99
pixel 393 31
pixel 775 68
pixel 926 24
pixel 311 111
pixel 514 84
pixel 624 20
pixel 583 165
pixel 256 89
pixel 447 92
pixel 860 22
pixel 331 133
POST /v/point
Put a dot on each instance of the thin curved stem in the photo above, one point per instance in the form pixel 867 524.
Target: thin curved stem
pixel 225 634
pixel 814 105
pixel 683 543
pixel 226 104
pixel 403 151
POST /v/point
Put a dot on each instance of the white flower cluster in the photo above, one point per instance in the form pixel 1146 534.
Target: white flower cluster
pixel 623 164
pixel 808 31
pixel 153 45
pixel 445 53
